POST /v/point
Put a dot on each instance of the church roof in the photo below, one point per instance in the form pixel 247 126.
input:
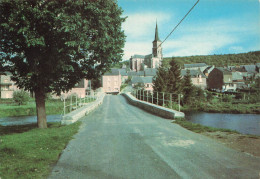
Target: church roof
pixel 156 38
pixel 137 56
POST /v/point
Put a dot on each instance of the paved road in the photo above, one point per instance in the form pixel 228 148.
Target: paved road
pixel 121 141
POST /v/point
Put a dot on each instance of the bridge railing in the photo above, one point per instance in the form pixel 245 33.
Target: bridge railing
pixel 170 100
pixel 74 101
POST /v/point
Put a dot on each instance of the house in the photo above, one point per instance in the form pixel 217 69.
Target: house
pixel 238 79
pixel 197 78
pixel 122 72
pixel 7 86
pixel 146 82
pixel 79 90
pixel 111 82
pixel 208 70
pixel 250 69
pixel 134 73
pixel 150 72
pixel 221 79
pixel 154 60
pixel 196 66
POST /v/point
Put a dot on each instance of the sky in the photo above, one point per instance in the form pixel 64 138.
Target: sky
pixel 212 27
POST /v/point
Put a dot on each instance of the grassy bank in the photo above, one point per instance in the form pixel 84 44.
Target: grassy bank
pixel 224 107
pixel 199 128
pixel 52 107
pixel 29 152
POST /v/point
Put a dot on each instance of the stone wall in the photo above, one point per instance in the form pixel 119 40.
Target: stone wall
pixel 83 111
pixel 154 109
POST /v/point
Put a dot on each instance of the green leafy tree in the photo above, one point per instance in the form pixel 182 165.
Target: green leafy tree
pixel 160 81
pixel 188 89
pixel 49 46
pixel 21 97
pixel 174 78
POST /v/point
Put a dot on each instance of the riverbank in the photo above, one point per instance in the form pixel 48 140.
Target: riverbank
pixel 245 143
pixel 224 107
pixel 29 152
pixel 12 110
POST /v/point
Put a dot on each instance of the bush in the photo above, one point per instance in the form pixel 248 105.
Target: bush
pixel 21 97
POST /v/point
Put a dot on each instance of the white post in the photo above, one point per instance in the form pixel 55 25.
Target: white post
pixel 70 103
pixel 179 96
pixel 163 98
pixel 64 103
pixel 76 102
pixel 171 99
pixel 157 97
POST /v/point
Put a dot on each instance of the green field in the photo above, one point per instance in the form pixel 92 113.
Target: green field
pixel 29 152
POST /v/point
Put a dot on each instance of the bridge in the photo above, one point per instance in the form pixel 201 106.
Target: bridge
pixel 119 140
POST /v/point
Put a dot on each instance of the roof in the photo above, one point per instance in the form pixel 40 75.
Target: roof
pixel 224 70
pixel 148 56
pixel 193 73
pixel 121 71
pixel 112 72
pixel 138 56
pixel 139 79
pixel 6 73
pixel 134 73
pixel 156 37
pixel 150 72
pixel 237 76
pixel 195 65
pixel 249 68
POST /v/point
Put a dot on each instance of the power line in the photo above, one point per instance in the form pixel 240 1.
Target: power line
pixel 179 23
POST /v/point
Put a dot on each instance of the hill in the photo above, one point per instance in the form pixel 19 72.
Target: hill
pixel 218 60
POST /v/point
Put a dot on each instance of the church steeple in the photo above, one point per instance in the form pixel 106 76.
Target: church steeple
pixel 156 38
pixel 157 49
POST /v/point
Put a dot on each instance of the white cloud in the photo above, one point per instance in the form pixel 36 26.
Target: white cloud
pixel 196 44
pixel 139 24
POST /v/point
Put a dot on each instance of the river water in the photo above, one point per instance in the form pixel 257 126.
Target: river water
pixel 21 120
pixel 243 123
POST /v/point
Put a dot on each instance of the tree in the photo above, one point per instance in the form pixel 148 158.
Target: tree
pixel 21 97
pixel 188 89
pixel 174 78
pixel 49 46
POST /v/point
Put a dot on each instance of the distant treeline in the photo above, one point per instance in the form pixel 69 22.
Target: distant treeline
pixel 218 60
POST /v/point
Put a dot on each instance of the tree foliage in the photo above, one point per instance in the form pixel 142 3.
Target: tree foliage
pixel 21 97
pixel 188 89
pixel 49 46
pixel 217 60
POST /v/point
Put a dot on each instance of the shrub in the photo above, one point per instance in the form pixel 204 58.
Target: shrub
pixel 21 97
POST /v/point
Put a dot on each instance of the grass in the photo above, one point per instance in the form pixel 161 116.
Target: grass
pixel 29 152
pixel 54 106
pixel 224 107
pixel 199 128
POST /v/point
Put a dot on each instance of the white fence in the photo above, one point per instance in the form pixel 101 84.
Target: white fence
pixel 169 100
pixel 74 101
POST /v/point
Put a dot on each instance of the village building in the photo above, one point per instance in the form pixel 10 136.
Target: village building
pixel 144 82
pixel 7 86
pixel 154 60
pixel 221 79
pixel 111 81
pixel 196 66
pixel 197 78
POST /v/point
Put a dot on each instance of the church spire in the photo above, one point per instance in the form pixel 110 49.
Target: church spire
pixel 156 38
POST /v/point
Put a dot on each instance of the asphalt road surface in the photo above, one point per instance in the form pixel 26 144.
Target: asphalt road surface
pixel 119 140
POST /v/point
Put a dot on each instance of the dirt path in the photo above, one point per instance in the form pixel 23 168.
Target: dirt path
pixel 244 143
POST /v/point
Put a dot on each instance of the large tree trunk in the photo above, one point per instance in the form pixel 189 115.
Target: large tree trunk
pixel 40 107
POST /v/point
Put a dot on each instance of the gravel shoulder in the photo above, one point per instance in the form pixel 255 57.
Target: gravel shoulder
pixel 244 143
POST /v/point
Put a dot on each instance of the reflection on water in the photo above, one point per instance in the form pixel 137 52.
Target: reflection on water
pixel 243 123
pixel 21 120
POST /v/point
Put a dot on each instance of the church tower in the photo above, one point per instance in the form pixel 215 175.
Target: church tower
pixel 157 49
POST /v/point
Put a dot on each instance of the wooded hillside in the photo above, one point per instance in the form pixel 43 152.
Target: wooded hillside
pixel 218 60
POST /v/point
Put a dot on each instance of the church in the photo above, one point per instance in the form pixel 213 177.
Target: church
pixel 154 60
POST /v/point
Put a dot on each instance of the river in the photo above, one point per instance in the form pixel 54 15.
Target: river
pixel 243 123
pixel 21 120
